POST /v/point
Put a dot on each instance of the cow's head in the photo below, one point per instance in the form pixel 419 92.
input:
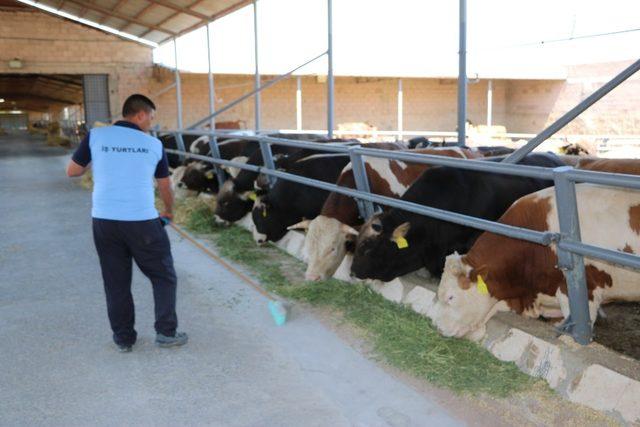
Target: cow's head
pixel 270 224
pixel 199 176
pixel 180 190
pixel 325 245
pixel 258 216
pixel 232 206
pixel 385 250
pixel 464 303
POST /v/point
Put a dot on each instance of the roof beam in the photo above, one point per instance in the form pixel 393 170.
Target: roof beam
pixel 22 96
pixel 119 15
pixel 165 20
pixel 180 9
pixel 114 9
pixel 138 15
pixel 218 15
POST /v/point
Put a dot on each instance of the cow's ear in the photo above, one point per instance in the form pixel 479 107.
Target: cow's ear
pixel 401 231
pixel 349 231
pixel 302 225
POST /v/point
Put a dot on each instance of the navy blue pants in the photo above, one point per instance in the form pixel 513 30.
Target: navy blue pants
pixel 146 243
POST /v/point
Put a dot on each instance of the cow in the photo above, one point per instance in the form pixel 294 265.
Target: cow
pixel 289 202
pixel 398 242
pixel 236 196
pixel 199 176
pixel 625 166
pixel 330 235
pixel 503 274
pixel 169 141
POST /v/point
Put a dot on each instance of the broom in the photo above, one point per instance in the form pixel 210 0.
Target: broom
pixel 277 308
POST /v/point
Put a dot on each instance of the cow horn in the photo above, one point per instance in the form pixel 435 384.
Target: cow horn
pixel 348 230
pixel 302 225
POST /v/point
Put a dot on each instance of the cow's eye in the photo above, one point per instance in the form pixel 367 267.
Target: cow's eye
pixel 449 299
pixel 376 227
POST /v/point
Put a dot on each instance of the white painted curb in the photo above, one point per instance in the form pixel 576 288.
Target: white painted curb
pixel 578 380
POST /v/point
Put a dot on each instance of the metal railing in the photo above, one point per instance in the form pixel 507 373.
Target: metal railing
pixel 570 249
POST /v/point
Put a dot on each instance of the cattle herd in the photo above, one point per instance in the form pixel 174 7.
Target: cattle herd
pixel 480 273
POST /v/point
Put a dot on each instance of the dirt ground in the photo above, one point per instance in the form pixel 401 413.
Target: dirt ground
pixel 620 330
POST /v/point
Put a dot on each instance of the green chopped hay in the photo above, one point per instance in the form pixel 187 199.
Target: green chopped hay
pixel 400 337
pixel 86 181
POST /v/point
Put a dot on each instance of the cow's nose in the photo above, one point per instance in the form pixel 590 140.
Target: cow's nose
pixel 312 277
pixel 262 241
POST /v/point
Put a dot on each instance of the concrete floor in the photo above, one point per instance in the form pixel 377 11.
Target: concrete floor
pixel 59 366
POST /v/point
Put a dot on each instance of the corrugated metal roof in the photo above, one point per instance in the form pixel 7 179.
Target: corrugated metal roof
pixel 156 21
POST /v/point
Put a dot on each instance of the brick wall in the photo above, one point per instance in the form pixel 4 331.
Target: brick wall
pixel 533 105
pixel 523 106
pixel 47 44
pixel 428 103
pixel 50 45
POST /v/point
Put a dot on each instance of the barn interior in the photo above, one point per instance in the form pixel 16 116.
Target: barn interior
pixel 37 99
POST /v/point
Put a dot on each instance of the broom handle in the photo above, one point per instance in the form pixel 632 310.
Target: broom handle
pixel 225 264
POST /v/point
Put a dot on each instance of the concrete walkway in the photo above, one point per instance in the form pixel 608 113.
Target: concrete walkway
pixel 58 365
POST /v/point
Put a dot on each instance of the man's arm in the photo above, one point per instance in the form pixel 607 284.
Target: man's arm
pixel 74 169
pixel 80 160
pixel 164 185
pixel 166 194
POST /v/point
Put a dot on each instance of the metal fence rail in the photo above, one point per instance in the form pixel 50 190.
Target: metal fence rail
pixel 570 249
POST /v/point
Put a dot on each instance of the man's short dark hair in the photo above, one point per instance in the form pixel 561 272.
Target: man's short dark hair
pixel 136 103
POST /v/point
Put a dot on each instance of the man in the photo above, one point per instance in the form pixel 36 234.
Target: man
pixel 126 225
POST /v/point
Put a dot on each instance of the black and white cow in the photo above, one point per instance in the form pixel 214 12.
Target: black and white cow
pixel 288 202
pixel 199 176
pixel 398 242
pixel 192 143
pixel 237 195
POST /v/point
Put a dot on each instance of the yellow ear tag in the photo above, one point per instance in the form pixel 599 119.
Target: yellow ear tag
pixel 401 242
pixel 253 196
pixel 264 212
pixel 209 175
pixel 482 286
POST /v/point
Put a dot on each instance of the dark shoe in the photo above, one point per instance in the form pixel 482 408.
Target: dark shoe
pixel 124 348
pixel 180 338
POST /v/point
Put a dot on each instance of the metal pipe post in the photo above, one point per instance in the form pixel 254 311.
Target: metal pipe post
pixel 212 96
pixel 178 86
pixel 213 140
pixel 330 83
pixel 267 159
pixel 400 110
pixel 257 71
pixel 516 156
pixel 462 75
pixel 299 104
pixel 578 323
pixel 215 153
pixel 362 183
pixel 180 144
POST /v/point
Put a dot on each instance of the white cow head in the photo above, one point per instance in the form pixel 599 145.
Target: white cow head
pixel 463 305
pixel 180 190
pixel 325 245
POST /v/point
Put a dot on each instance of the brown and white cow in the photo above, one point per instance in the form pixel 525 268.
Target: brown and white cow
pixel 625 166
pixel 330 232
pixel 503 274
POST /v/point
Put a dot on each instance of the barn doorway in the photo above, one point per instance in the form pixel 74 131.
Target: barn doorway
pixel 60 106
